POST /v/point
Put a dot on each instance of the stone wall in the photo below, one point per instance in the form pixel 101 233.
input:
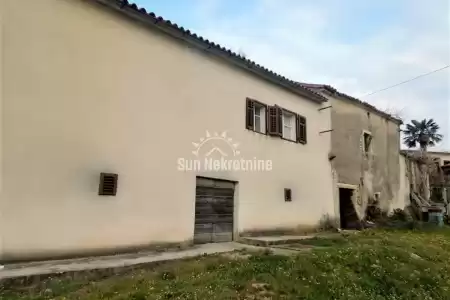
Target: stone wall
pixel 377 171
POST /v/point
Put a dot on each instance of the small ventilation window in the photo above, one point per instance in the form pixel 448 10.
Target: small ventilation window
pixel 287 195
pixel 367 142
pixel 108 184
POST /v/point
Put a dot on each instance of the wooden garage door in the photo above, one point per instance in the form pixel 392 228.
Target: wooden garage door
pixel 214 207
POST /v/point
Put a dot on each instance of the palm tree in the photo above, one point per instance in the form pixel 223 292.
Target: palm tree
pixel 425 133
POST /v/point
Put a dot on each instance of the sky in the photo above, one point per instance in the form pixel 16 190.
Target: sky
pixel 356 46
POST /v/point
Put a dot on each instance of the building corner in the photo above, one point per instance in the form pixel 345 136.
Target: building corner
pixel 2 92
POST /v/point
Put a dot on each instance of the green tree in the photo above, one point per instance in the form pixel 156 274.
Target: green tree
pixel 423 133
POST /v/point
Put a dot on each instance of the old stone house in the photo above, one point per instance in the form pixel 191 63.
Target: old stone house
pixel 438 163
pixel 365 145
pixel 440 177
pixel 122 130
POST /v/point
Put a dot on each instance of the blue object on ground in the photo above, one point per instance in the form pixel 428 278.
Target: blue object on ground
pixel 436 217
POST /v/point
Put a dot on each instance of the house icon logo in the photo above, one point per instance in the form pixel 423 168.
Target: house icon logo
pixel 216 144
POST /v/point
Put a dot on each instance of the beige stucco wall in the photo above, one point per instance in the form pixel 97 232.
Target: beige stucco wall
pixel 87 91
pixel 1 117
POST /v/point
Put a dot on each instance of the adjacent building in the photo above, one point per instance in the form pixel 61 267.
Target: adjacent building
pixel 122 130
pixel 365 144
pixel 438 166
pixel 441 158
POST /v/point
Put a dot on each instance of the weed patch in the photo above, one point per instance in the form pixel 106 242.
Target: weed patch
pixel 373 264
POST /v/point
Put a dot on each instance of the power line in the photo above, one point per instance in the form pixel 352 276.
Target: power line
pixel 409 80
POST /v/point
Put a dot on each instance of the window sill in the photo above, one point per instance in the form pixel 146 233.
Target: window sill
pixel 263 133
pixel 289 140
pixel 276 136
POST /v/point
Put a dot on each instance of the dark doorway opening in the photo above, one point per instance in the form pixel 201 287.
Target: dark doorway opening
pixel 347 212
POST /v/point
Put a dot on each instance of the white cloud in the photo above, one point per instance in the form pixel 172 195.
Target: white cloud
pixel 317 41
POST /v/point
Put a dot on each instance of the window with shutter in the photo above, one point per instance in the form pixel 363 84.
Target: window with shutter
pixel 250 114
pixel 259 118
pixel 280 121
pixel 301 129
pixel 289 128
pixel 256 115
pixel 274 120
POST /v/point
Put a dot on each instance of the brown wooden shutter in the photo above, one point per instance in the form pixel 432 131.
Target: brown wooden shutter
pixel 250 114
pixel 301 129
pixel 280 121
pixel 273 123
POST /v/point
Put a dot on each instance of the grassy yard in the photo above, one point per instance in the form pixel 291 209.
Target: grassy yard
pixel 372 264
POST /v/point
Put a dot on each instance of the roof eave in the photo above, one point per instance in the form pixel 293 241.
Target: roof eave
pixel 371 108
pixel 334 92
